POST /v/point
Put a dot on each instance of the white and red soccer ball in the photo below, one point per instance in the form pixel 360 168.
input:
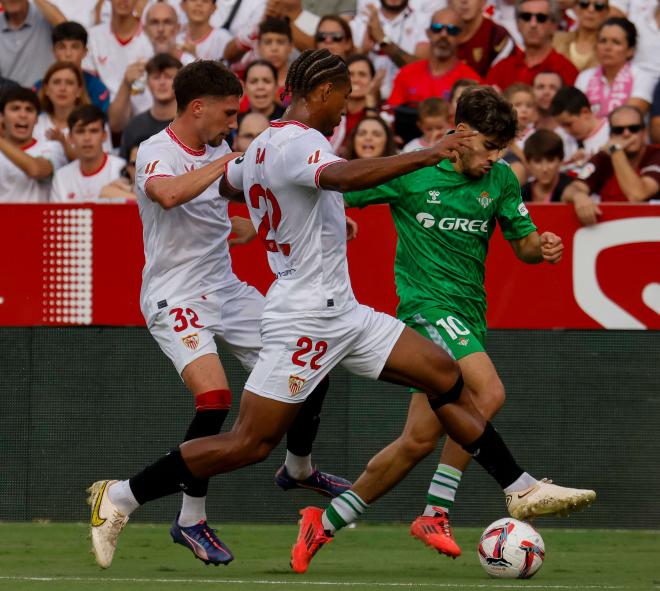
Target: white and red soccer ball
pixel 511 549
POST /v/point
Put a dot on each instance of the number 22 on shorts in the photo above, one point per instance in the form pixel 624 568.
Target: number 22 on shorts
pixel 306 345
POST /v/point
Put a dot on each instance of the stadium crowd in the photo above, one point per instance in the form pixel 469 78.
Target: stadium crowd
pixel 84 82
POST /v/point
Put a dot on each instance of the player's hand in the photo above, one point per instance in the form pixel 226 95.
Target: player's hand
pixel 586 209
pixel 552 247
pixel 243 231
pixel 351 228
pixel 450 146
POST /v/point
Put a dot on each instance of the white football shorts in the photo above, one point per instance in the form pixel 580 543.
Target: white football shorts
pixel 298 353
pixel 186 330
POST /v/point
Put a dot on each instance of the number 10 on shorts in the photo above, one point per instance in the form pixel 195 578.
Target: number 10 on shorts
pixel 453 326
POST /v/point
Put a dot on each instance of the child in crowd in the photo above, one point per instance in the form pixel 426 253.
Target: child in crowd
pixel 544 152
pixel 82 180
pixel 521 96
pixel 200 38
pixel 433 122
pixel 275 45
pixel 26 164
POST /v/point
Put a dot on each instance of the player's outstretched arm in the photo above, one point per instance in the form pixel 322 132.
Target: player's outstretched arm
pixel 366 173
pixel 171 191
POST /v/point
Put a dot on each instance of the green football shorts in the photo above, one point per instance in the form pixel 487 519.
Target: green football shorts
pixel 448 330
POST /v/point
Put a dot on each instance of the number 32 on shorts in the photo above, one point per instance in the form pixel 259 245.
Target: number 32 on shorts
pixel 305 347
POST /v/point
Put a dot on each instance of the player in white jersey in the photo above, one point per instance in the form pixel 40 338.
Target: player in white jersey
pixel 312 321
pixel 83 180
pixel 190 294
pixel 26 165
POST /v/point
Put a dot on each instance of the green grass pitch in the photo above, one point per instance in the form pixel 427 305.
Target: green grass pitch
pixel 55 557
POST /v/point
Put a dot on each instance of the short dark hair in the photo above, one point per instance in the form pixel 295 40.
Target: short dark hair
pixel 260 62
pixel 628 28
pixel 433 107
pixel 390 144
pixel 569 100
pixel 272 24
pixel 311 68
pixel 69 31
pixel 86 114
pixel 626 108
pixel 19 93
pixel 361 57
pixel 544 143
pixel 487 112
pixel 161 62
pixel 204 78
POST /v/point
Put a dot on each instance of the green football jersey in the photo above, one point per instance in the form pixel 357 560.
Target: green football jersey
pixel 444 221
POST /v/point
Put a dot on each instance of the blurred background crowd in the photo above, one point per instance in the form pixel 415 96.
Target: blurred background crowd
pixel 83 82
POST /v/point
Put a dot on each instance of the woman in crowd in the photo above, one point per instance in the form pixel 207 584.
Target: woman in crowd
pixel 334 34
pixel 616 81
pixel 371 138
pixel 579 45
pixel 261 90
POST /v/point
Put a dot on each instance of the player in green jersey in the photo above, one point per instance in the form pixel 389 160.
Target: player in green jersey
pixel 444 217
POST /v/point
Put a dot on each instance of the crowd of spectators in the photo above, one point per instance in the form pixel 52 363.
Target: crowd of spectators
pixel 83 82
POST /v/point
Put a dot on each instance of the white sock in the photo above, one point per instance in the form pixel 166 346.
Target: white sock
pixel 525 481
pixel 442 490
pixel 193 510
pixel 298 467
pixel 121 496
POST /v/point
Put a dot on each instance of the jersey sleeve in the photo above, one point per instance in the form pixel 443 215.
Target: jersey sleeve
pixel 512 214
pixel 151 164
pixel 57 190
pixel 306 157
pixel 234 173
pixel 385 193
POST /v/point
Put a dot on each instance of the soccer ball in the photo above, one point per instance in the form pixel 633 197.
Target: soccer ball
pixel 511 549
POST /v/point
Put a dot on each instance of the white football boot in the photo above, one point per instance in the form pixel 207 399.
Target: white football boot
pixel 106 522
pixel 545 498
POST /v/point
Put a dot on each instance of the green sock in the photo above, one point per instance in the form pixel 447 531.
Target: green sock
pixel 442 490
pixel 343 510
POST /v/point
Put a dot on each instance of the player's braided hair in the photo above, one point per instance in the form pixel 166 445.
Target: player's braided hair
pixel 311 68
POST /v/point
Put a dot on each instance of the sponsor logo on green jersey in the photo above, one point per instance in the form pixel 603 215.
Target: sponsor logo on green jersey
pixel 426 220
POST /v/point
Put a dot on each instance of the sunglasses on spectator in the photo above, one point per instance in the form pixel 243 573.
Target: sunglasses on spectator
pixel 329 37
pixel 541 17
pixel 598 6
pixel 452 30
pixel 619 129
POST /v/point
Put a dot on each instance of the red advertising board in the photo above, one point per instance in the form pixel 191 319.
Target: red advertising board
pixel 68 265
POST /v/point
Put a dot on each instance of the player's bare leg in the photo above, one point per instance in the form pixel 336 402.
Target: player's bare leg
pixel 417 362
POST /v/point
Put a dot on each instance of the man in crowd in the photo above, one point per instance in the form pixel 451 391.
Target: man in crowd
pixel 482 42
pixel 572 111
pixel 161 70
pixel 626 169
pixel 433 77
pixel 70 45
pixel 25 50
pixel 537 22
pixel 545 87
pixel 26 165
pixel 82 180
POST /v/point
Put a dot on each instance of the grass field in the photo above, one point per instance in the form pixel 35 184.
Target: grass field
pixel 55 557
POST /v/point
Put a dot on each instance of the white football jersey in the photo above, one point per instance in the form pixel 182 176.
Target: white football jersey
pixel 72 185
pixel 302 225
pixel 211 47
pixel 108 57
pixel 17 187
pixel 185 248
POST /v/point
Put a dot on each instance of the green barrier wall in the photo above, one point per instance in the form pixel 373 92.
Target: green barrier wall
pixel 82 404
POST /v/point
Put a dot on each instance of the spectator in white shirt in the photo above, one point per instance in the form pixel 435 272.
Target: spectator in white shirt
pixel 199 37
pixel 26 165
pixel 82 180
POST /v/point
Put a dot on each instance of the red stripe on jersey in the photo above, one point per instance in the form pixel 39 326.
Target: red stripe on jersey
pixel 213 400
pixel 290 122
pixel 319 170
pixel 183 146
pixel 124 42
pixel 29 145
pixel 99 169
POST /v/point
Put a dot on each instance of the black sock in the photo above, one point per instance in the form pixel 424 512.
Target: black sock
pixel 204 423
pixel 494 456
pixel 164 477
pixel 302 432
